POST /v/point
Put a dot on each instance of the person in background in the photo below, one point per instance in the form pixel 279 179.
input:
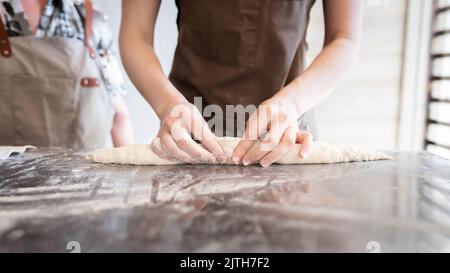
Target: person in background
pixel 63 19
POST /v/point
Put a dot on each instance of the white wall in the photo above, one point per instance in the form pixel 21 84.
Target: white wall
pixel 363 111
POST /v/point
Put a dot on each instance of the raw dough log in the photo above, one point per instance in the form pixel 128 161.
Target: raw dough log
pixel 321 153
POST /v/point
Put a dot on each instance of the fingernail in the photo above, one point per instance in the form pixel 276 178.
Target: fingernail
pixel 236 160
pixel 205 158
pixel 212 160
pixel 222 159
pixel 192 160
pixel 246 162
pixel 265 163
pixel 304 154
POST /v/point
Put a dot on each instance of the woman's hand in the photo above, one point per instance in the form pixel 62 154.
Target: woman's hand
pixel 175 137
pixel 181 121
pixel 278 117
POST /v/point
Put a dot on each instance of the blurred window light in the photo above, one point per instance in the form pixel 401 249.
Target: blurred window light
pixel 438 122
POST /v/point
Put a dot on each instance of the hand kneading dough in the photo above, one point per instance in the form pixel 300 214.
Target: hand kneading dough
pixel 321 153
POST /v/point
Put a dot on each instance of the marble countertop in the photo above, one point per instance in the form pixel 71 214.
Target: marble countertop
pixel 52 199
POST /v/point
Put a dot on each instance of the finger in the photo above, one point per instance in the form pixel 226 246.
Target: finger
pixel 156 147
pixel 287 142
pixel 208 140
pixel 241 149
pixel 181 132
pixel 214 147
pixel 257 123
pixel 193 149
pixel 254 154
pixel 184 142
pixel 169 145
pixel 306 140
pixel 278 127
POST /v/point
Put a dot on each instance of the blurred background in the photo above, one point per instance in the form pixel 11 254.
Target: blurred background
pixel 398 96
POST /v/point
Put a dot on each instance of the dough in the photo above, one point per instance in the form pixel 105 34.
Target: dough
pixel 321 153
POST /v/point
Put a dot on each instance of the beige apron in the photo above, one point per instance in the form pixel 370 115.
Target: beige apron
pixel 51 94
pixel 240 52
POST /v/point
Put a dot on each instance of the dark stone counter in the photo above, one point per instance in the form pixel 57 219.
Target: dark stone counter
pixel 54 201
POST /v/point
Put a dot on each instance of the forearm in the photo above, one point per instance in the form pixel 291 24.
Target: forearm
pixel 320 79
pixel 145 71
pixel 343 31
pixel 139 58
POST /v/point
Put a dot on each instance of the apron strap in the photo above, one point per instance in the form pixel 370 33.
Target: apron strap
pixel 88 26
pixel 5 45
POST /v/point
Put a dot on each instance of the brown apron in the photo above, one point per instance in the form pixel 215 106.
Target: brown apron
pixel 51 94
pixel 240 51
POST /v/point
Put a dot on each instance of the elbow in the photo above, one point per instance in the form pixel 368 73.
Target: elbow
pixel 347 47
pixel 130 45
pixel 347 40
pixel 131 41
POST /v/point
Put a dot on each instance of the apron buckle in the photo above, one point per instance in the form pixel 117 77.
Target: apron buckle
pixel 90 82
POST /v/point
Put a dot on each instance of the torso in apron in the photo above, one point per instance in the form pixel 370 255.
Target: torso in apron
pixel 240 52
pixel 51 95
